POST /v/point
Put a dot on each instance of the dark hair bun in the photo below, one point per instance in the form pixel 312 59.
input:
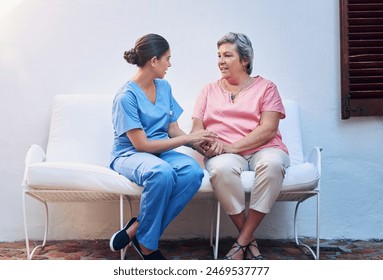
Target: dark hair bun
pixel 131 56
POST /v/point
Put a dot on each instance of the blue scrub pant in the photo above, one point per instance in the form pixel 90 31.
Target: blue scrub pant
pixel 169 182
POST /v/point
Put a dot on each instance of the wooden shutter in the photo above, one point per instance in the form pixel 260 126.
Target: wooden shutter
pixel 361 30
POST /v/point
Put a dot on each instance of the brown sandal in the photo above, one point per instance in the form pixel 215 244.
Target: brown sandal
pixel 238 248
pixel 249 254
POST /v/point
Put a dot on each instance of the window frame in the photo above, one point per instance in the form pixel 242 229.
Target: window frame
pixel 361 47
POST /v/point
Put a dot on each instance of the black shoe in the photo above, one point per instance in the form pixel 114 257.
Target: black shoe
pixel 121 239
pixel 156 255
pixel 249 254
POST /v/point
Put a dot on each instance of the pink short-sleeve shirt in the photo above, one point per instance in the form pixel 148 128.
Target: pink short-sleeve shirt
pixel 234 120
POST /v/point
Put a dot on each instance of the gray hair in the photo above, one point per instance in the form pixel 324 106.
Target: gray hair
pixel 244 47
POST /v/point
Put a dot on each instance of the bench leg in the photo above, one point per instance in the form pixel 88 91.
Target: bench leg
pixel 314 254
pixel 215 222
pixel 29 253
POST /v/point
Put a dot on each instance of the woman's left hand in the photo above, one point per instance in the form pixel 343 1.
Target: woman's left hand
pixel 213 150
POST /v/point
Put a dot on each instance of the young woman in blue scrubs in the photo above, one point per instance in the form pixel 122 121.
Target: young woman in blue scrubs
pixel 145 133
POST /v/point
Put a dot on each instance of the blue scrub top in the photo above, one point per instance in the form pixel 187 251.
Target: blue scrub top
pixel 132 109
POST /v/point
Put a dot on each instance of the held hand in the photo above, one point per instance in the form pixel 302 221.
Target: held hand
pixel 201 136
pixel 214 149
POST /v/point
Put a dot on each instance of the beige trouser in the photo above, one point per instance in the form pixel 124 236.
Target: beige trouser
pixel 225 171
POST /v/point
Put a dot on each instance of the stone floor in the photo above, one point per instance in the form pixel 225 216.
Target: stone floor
pixel 197 249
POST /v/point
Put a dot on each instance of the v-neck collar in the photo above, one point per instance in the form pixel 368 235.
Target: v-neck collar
pixel 143 92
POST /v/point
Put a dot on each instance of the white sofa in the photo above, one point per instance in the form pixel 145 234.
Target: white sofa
pixel 74 166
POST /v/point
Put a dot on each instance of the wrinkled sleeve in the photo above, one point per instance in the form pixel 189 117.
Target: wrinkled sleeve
pixel 200 104
pixel 125 113
pixel 272 101
pixel 175 110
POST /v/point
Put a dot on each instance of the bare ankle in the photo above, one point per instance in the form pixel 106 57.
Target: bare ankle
pixel 145 250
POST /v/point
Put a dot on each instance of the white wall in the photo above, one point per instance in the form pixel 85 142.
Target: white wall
pixel 76 46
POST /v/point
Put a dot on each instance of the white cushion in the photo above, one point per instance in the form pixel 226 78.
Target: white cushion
pixel 290 128
pixel 77 176
pixel 81 129
pixel 301 177
pixel 205 185
pixel 86 177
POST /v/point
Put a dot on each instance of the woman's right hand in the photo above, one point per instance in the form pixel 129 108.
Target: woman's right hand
pixel 201 136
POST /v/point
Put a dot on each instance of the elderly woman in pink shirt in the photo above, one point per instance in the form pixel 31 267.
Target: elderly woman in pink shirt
pixel 244 111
